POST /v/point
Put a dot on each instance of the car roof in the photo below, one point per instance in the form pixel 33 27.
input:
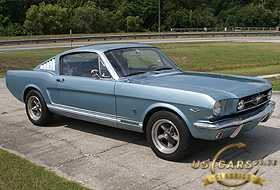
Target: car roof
pixel 104 47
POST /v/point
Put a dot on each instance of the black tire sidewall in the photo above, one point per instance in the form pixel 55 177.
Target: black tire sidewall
pixel 186 139
pixel 46 116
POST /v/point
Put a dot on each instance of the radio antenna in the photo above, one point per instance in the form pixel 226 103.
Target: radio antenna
pixel 127 40
pixel 127 28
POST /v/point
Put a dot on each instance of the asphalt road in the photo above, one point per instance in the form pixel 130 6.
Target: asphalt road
pixel 275 39
pixel 101 157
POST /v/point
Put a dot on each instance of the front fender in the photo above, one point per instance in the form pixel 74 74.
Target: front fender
pixel 167 106
pixel 185 113
pixel 174 109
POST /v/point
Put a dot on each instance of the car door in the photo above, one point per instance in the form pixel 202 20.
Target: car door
pixel 83 96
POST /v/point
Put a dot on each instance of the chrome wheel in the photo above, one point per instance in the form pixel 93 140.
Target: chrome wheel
pixel 169 136
pixel 165 136
pixel 34 108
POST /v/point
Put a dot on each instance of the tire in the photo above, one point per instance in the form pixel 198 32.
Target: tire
pixel 36 109
pixel 169 136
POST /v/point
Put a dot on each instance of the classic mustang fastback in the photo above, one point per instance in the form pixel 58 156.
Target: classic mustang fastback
pixel 136 87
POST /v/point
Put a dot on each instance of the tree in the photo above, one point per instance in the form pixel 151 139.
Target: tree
pixel 205 18
pixel 177 19
pixel 45 19
pixel 91 19
pixel 276 18
pixel 134 24
pixel 254 15
pixel 91 16
pixel 7 27
pixel 224 5
pixel 272 4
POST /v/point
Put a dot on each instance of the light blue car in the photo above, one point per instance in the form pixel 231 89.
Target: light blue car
pixel 136 87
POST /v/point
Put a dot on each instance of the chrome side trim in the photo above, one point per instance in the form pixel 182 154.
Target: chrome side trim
pixel 92 115
pixel 130 122
pixel 220 125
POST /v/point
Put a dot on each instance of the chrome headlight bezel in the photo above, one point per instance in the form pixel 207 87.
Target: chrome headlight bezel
pixel 269 95
pixel 217 108
pixel 240 106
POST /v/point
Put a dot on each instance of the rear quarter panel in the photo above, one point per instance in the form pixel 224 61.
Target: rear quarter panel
pixel 18 81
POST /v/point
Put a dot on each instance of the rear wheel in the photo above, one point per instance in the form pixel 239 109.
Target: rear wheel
pixel 36 109
pixel 168 136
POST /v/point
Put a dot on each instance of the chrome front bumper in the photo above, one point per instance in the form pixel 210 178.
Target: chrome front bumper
pixel 263 115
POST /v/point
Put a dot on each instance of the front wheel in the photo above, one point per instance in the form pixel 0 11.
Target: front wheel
pixel 168 136
pixel 36 109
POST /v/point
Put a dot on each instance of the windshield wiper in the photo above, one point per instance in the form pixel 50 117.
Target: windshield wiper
pixel 136 73
pixel 164 68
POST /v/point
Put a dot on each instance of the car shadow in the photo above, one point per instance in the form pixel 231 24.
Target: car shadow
pixel 260 142
pixel 100 130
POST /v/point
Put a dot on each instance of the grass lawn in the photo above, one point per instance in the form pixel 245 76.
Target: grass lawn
pixel 26 59
pixel 237 58
pixel 19 173
pixel 276 83
pixel 240 58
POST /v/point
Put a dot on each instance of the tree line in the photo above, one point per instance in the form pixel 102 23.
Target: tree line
pixel 20 17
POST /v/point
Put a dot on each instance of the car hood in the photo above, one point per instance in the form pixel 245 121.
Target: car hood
pixel 218 86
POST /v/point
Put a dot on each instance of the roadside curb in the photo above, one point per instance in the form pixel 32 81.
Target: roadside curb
pixel 269 76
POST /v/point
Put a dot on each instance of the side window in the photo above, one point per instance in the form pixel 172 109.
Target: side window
pixel 81 64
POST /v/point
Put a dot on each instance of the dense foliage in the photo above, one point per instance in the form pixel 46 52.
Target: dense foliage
pixel 101 16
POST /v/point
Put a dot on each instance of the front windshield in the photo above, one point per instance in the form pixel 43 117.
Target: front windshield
pixel 132 61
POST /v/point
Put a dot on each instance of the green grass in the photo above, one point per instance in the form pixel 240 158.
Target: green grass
pixel 237 58
pixel 254 71
pixel 276 83
pixel 17 60
pixel 224 56
pixel 19 173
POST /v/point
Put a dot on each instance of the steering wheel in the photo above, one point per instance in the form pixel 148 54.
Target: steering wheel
pixel 151 66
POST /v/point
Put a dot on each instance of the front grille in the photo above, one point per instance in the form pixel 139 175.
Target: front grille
pixel 255 100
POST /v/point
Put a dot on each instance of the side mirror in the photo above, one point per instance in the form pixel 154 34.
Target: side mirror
pixel 94 72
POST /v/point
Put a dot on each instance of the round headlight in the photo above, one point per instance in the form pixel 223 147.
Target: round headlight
pixel 269 95
pixel 241 105
pixel 217 108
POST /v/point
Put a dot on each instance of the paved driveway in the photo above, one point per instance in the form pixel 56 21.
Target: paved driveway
pixel 101 157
